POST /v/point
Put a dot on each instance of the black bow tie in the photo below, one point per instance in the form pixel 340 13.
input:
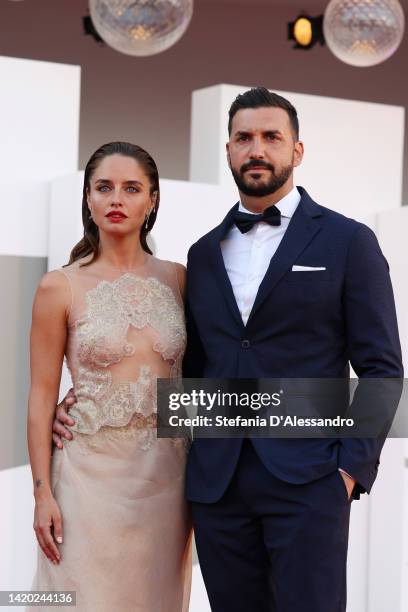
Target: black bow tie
pixel 245 221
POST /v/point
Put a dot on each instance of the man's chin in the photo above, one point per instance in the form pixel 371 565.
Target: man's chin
pixel 257 189
pixel 253 184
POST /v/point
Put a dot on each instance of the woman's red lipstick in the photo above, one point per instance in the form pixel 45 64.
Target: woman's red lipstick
pixel 116 216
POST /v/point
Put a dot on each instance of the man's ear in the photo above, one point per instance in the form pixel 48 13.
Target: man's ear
pixel 298 153
pixel 228 154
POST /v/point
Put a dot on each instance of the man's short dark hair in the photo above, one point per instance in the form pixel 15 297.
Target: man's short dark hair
pixel 260 97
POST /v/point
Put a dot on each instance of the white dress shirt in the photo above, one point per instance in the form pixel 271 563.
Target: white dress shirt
pixel 247 256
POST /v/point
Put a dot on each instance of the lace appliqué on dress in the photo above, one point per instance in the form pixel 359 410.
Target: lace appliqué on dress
pixel 111 307
pixel 111 410
pixel 103 403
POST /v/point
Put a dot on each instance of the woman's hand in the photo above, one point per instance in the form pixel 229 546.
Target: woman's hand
pixel 48 526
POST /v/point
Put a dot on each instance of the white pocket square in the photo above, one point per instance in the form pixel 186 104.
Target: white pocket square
pixel 307 269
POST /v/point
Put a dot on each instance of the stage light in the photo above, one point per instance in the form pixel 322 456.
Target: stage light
pixel 141 27
pixel 306 31
pixel 302 31
pixel 363 32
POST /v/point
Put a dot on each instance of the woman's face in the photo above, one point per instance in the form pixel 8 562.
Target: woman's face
pixel 119 196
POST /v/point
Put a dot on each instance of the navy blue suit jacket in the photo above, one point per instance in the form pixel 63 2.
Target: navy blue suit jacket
pixel 303 325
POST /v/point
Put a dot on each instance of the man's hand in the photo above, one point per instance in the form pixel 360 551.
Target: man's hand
pixel 349 483
pixel 62 418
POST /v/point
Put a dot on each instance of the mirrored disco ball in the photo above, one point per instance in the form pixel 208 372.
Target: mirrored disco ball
pixel 141 27
pixel 363 32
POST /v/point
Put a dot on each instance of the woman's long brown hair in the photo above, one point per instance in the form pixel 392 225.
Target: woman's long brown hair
pixel 89 244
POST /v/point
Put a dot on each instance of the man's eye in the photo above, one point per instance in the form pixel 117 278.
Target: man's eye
pixel 243 137
pixel 271 136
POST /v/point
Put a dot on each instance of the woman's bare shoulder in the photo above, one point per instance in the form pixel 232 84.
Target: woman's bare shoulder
pixel 181 276
pixel 53 291
pixel 181 269
pixel 52 281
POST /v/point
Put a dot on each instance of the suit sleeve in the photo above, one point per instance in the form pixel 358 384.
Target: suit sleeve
pixel 194 357
pixel 373 347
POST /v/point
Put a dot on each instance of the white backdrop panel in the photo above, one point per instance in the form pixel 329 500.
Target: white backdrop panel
pixel 392 234
pixel 24 210
pixel 39 118
pixel 65 218
pixel 18 543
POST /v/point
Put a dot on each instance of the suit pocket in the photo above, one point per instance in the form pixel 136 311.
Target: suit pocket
pixel 342 486
pixel 308 276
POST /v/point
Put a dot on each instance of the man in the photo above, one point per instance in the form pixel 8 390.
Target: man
pixel 283 287
pixel 271 516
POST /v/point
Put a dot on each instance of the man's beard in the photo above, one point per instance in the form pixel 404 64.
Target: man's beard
pixel 275 182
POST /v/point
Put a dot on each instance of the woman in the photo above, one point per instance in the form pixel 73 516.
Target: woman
pixel 110 515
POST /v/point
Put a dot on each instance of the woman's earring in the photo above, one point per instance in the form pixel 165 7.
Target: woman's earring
pixel 90 213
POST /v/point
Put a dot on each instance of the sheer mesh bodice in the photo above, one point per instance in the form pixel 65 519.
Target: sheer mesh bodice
pixel 126 329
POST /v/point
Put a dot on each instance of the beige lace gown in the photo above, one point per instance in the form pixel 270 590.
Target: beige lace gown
pixel 120 489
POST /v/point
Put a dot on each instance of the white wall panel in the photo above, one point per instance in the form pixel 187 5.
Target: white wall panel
pixel 388 568
pixel 187 211
pixel 392 234
pixel 18 544
pixel 65 218
pixel 24 214
pixel 387 516
pixel 39 119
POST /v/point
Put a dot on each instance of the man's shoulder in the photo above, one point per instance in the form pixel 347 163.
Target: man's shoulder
pixel 341 223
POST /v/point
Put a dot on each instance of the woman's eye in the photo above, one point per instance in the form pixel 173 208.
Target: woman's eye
pixel 103 188
pixel 132 189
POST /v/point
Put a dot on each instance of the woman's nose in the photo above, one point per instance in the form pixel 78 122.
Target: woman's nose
pixel 115 198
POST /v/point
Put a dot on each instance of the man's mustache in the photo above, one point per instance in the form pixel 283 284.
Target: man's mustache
pixel 253 163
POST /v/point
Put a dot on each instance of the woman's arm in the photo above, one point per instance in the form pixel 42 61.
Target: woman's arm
pixel 47 346
pixel 181 278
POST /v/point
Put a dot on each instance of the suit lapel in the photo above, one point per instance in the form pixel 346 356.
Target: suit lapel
pixel 302 228
pixel 218 266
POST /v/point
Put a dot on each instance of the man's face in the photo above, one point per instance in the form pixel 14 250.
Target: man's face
pixel 262 151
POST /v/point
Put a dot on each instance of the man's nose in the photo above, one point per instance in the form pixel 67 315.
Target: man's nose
pixel 257 149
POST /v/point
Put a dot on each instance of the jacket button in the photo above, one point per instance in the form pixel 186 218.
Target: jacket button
pixel 245 344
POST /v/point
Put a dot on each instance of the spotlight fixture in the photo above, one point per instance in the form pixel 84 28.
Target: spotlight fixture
pixel 89 29
pixel 306 31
